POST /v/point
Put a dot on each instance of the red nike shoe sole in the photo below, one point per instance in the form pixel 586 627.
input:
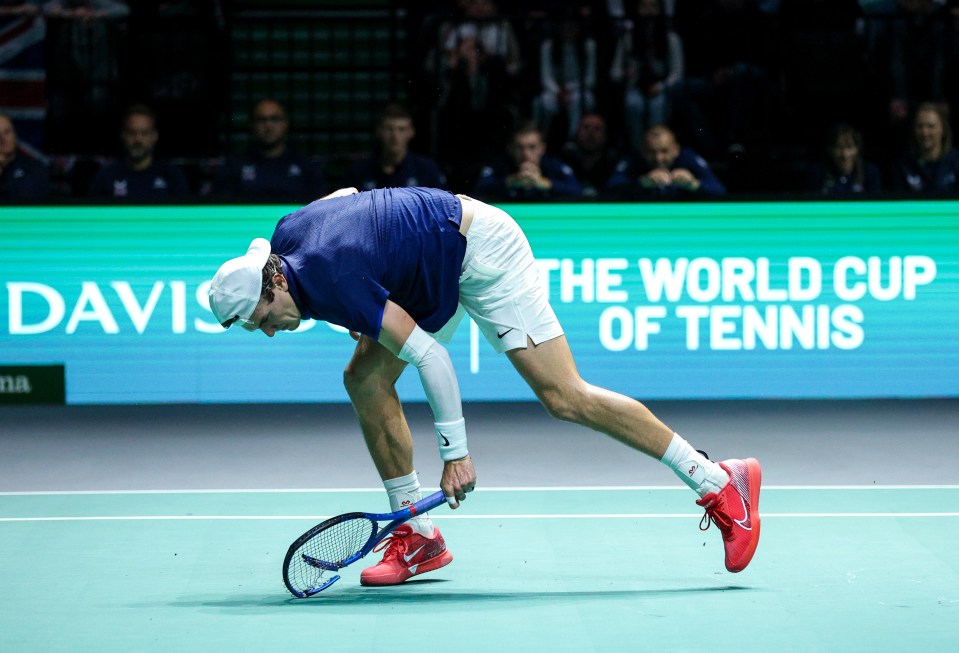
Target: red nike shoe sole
pixel 430 565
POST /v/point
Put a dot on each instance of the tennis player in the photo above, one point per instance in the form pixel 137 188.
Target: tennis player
pixel 398 267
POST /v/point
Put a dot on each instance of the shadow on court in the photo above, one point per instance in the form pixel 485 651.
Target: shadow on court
pixel 355 596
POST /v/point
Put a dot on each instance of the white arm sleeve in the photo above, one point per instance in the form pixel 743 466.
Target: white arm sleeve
pixel 442 391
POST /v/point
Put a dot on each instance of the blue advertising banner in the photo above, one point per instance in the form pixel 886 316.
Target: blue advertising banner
pixel 659 301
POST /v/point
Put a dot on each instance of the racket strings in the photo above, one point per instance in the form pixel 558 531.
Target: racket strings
pixel 331 546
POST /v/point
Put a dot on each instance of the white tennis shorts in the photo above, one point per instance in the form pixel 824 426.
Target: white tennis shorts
pixel 499 285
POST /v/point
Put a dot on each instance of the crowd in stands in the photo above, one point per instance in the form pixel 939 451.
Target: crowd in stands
pixel 608 99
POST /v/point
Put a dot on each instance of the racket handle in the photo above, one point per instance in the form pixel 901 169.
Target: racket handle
pixel 427 504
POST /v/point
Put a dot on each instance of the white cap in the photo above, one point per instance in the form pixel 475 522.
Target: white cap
pixel 235 290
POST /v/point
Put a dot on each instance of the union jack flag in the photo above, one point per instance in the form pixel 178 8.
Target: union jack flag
pixel 23 78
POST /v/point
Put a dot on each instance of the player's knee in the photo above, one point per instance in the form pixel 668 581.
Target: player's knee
pixel 363 378
pixel 562 404
pixel 356 379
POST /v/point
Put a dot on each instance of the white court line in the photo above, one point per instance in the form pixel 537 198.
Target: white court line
pixel 319 518
pixel 587 488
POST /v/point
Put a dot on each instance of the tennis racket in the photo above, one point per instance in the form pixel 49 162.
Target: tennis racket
pixel 314 558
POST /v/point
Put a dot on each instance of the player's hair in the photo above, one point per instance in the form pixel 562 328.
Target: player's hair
pixel 272 268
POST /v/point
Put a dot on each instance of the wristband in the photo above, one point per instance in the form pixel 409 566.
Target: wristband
pixel 451 438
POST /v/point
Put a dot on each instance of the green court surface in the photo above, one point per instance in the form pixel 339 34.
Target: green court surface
pixel 590 569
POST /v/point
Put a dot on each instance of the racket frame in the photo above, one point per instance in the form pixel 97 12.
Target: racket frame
pixel 394 519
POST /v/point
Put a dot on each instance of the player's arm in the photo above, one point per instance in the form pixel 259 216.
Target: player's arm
pixel 400 334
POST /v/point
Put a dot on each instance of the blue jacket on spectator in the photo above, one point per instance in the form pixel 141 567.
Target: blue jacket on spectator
pixel 918 176
pixel 24 179
pixel 492 181
pixel 820 181
pixel 159 181
pixel 626 179
pixel 415 170
pixel 286 177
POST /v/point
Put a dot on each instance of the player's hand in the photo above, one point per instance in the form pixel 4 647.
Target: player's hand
pixel 459 477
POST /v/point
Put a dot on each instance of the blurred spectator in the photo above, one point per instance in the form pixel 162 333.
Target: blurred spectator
pixel 23 78
pixel 84 40
pixel 476 68
pixel 590 156
pixel 481 26
pixel 139 176
pixel 175 62
pixel 950 72
pixel 21 178
pixel 271 168
pixel 916 59
pixel 664 170
pixel 932 164
pixel 729 47
pixel 528 172
pixel 19 8
pixel 825 77
pixel 649 65
pixel 393 164
pixel 567 64
pixel 843 170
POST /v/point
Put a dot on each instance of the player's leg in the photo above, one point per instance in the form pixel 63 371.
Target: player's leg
pixel 370 380
pixel 500 288
pixel 550 371
pixel 729 490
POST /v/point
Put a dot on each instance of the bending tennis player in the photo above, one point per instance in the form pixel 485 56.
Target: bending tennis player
pixel 399 267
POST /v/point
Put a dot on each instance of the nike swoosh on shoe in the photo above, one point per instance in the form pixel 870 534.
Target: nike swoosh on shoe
pixel 744 523
pixel 407 558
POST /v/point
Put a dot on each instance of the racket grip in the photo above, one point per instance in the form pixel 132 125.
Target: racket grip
pixel 427 504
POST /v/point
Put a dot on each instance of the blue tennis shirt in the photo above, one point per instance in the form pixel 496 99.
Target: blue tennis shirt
pixel 344 257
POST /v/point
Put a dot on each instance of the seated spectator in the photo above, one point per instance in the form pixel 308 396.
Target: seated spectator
pixel 648 64
pixel 730 50
pixel 844 170
pixel 393 164
pixel 932 164
pixel 84 46
pixel 528 172
pixel 139 175
pixel 271 168
pixel 590 156
pixel 567 76
pixel 24 71
pixel 664 170
pixel 21 178
pixel 476 67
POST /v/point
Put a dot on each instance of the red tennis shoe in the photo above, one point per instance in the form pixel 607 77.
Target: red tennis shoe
pixel 406 554
pixel 735 511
